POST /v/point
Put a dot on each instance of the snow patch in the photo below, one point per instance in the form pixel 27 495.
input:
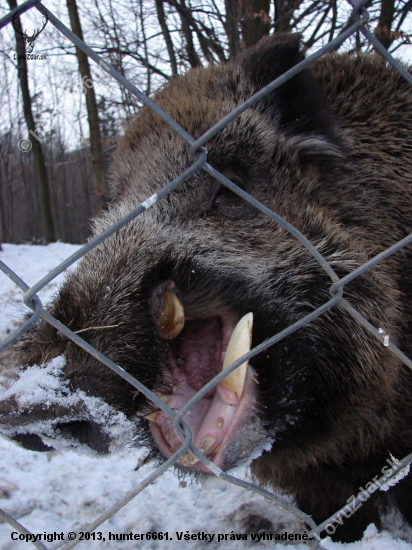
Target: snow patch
pixel 64 491
pixel 39 384
pixel 403 472
pixel 41 388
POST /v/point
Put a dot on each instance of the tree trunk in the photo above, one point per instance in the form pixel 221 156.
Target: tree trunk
pixel 383 30
pixel 39 162
pixel 284 12
pixel 92 113
pixel 232 26
pixel 166 34
pixel 255 21
pixel 192 55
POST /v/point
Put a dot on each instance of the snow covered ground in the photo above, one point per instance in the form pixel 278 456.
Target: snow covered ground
pixel 64 492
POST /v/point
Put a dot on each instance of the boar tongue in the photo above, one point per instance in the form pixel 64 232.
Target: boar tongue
pixel 202 347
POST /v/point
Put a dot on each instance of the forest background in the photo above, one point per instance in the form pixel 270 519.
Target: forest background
pixel 54 179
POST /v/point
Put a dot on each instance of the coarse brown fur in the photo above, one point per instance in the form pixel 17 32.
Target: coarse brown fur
pixel 331 152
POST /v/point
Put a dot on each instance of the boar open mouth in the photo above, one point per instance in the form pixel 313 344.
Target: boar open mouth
pixel 197 350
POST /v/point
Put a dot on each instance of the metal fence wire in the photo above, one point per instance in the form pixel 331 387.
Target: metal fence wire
pixel 198 153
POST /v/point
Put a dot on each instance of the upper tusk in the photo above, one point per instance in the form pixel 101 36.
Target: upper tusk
pixel 172 318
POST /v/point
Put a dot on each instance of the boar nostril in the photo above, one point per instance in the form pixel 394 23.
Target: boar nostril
pixel 32 442
pixel 86 432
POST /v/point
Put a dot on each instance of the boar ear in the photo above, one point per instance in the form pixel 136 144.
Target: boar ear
pixel 41 412
pixel 271 57
pixel 298 107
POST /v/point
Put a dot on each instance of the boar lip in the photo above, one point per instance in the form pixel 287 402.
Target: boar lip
pixel 185 376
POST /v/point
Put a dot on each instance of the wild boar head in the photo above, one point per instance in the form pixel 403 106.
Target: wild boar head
pixel 163 296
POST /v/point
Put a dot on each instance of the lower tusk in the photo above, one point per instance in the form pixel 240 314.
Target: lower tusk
pixel 240 343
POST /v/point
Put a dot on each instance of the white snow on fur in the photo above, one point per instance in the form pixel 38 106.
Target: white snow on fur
pixel 39 385
pixel 45 385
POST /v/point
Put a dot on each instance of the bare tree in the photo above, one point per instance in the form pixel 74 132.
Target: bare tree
pixel 148 42
pixel 232 26
pixel 255 21
pixel 166 34
pixel 206 31
pixel 92 112
pixel 384 29
pixel 39 162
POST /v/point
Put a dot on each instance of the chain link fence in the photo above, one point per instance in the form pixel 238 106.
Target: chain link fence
pixel 199 155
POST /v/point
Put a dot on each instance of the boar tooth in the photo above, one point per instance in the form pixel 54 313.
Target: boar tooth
pixel 206 444
pixel 163 397
pixel 188 459
pixel 172 318
pixel 151 417
pixel 239 344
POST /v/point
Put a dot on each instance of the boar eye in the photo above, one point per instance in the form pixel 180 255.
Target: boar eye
pixel 229 204
pixel 224 193
pixel 236 178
